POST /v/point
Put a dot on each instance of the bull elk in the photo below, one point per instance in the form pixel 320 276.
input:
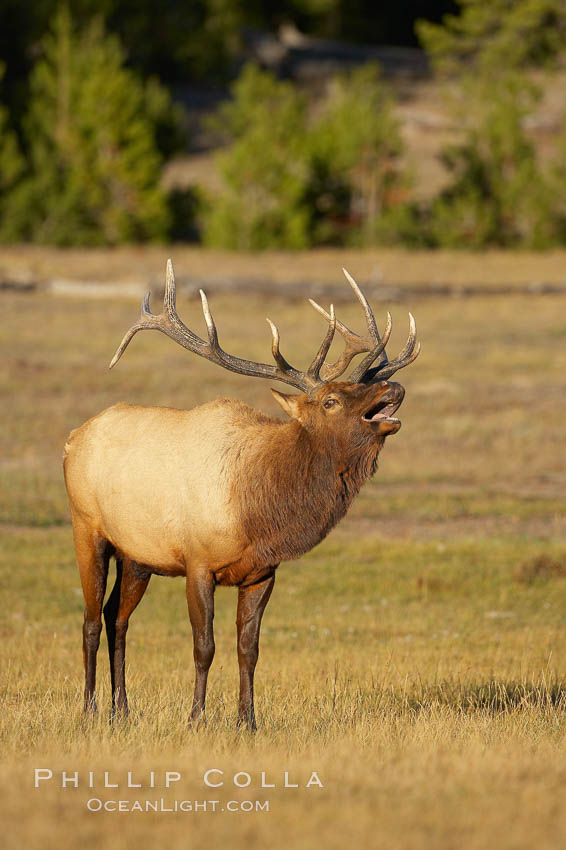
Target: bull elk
pixel 221 494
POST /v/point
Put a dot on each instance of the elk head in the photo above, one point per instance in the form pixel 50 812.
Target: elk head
pixel 360 409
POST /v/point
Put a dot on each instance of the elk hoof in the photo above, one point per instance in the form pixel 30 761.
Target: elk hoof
pixel 197 719
pixel 90 706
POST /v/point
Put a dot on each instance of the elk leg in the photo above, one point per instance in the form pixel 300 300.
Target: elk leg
pixel 200 600
pixel 93 555
pixel 126 594
pixel 251 605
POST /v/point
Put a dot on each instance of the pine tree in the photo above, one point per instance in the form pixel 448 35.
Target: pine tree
pixel 265 169
pixel 355 147
pixel 498 192
pixel 12 167
pixel 490 35
pixel 293 177
pixel 95 165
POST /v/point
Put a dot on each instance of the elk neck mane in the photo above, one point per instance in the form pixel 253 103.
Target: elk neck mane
pixel 290 484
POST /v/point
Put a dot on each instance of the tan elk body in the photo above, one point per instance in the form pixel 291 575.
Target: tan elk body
pixel 156 482
pixel 222 493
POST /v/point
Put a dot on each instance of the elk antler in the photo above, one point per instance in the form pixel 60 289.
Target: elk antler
pixel 371 342
pixel 170 324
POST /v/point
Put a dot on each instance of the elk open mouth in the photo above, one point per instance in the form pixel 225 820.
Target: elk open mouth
pixel 382 411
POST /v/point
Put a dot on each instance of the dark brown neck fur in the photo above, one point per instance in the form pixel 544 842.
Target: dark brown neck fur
pixel 298 486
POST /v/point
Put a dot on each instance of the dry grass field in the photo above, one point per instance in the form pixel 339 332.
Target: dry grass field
pixel 145 264
pixel 416 659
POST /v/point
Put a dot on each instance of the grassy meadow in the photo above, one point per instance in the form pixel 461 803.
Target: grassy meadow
pixel 416 659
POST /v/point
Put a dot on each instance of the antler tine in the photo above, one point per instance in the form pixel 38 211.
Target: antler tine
pixel 370 318
pixel 147 320
pixel 167 321
pixel 314 369
pixel 356 344
pixel 277 356
pixel 123 345
pixel 170 297
pixel 410 352
pixel 379 349
pixel 210 326
pixel 340 326
pixel 371 343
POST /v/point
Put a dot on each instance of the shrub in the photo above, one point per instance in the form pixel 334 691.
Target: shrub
pixel 492 35
pixel 265 169
pixel 294 178
pixel 355 148
pixel 90 134
pixel 498 194
pixel 12 166
pixel 540 568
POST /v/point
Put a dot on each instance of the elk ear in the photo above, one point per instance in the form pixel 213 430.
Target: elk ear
pixel 290 403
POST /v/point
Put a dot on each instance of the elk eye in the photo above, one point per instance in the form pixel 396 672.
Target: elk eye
pixel 330 402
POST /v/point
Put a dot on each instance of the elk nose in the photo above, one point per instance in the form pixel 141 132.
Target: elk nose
pixel 398 389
